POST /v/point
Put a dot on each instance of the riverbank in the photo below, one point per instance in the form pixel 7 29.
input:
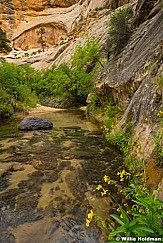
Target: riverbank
pixel 43 109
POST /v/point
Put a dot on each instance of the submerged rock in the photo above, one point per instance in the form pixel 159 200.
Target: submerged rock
pixel 35 123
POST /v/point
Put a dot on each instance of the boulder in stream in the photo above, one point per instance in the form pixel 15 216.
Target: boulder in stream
pixel 35 123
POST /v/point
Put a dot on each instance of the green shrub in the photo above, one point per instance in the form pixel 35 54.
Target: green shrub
pixel 158 150
pixel 121 139
pixel 6 110
pixel 86 55
pixel 159 81
pixel 119 31
pixel 74 83
pixel 146 221
pixel 16 87
pixel 4 42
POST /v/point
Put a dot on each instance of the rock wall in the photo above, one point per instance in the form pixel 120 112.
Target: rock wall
pixel 21 19
pixel 130 78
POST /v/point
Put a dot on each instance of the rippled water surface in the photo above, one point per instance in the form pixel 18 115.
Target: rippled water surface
pixel 48 180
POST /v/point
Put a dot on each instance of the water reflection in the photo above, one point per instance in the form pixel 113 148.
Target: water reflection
pixel 48 180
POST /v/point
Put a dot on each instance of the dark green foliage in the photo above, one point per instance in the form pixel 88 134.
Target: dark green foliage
pixel 17 83
pixel 4 42
pixel 41 40
pixel 16 88
pixel 158 150
pixel 64 82
pixel 70 83
pixel 86 55
pixel 6 110
pixel 119 31
pixel 145 221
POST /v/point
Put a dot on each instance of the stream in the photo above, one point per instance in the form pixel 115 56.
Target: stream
pixel 48 180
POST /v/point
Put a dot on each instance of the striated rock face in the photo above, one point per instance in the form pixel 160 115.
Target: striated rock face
pixel 130 78
pixel 62 20
pixel 21 19
pixel 54 34
pixel 64 28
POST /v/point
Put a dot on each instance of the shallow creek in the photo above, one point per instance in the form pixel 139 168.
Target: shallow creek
pixel 48 180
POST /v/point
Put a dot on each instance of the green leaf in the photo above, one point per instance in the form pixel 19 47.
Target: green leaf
pixel 124 214
pixel 143 228
pixel 141 202
pixel 141 215
pixel 111 227
pixel 117 218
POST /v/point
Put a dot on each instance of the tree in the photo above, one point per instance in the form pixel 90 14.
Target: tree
pixel 41 41
pixel 4 41
pixel 119 31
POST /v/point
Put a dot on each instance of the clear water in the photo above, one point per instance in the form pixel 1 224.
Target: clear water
pixel 48 180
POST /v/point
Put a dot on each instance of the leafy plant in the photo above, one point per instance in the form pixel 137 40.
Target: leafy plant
pixel 6 110
pixel 86 55
pixel 146 221
pixel 158 150
pixel 119 31
pixel 16 87
pixel 4 42
pixel 41 40
pixel 73 83
pixel 121 139
pixel 159 81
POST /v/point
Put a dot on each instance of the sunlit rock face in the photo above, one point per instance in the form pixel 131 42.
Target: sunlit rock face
pixel 66 24
pixel 19 15
pixel 54 35
pixel 60 3
pixel 21 19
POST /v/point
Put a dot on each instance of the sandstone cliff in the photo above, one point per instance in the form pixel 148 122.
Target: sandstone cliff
pixel 65 22
pixel 130 79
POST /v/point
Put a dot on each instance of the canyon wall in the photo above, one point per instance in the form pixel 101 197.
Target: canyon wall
pixel 22 20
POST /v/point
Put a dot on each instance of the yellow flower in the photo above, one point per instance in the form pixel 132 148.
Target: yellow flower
pixel 109 182
pixel 104 192
pixel 122 174
pixel 98 187
pixel 106 178
pixel 121 216
pixel 160 113
pixel 88 222
pixel 90 215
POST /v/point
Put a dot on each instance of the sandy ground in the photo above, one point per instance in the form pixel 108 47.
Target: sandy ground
pixel 43 109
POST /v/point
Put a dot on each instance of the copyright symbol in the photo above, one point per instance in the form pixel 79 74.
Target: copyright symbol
pixel 117 239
